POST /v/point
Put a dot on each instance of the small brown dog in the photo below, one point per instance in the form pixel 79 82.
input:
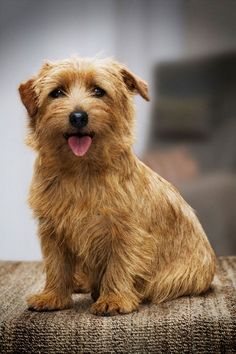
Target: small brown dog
pixel 107 223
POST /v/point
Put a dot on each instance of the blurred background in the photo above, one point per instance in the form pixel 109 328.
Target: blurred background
pixel 184 49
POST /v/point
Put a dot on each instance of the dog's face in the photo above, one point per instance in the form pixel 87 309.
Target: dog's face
pixel 81 106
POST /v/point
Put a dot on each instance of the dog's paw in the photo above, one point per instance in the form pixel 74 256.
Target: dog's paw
pixel 48 302
pixel 111 305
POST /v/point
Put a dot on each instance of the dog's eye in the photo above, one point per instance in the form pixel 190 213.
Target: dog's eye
pixel 57 93
pixel 98 92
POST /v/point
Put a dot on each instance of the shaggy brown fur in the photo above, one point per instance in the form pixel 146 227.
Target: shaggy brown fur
pixel 107 223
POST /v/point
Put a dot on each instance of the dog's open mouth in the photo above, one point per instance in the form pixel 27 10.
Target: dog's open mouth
pixel 79 142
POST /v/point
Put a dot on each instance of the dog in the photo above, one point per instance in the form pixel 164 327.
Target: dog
pixel 107 223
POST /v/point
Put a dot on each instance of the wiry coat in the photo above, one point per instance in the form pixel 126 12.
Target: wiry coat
pixel 107 223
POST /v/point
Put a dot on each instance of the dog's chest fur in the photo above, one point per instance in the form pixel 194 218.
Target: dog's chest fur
pixel 79 209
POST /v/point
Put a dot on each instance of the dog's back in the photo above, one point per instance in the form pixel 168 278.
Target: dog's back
pixel 184 259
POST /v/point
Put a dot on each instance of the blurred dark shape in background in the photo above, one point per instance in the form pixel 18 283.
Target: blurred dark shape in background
pixel 193 139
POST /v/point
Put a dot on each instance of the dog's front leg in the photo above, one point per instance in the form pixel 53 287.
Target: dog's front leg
pixel 126 261
pixel 117 293
pixel 59 266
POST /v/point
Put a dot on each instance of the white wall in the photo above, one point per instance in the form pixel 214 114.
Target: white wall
pixel 137 32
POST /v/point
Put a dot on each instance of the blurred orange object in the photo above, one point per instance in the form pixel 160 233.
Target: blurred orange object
pixel 175 164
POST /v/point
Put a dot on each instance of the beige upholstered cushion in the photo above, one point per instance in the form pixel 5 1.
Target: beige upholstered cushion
pixel 202 324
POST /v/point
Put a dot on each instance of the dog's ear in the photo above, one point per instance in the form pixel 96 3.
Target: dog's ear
pixel 29 97
pixel 135 84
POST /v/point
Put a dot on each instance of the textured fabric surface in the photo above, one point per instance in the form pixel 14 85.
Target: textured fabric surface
pixel 202 324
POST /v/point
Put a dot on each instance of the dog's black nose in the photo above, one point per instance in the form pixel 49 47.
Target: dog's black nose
pixel 78 119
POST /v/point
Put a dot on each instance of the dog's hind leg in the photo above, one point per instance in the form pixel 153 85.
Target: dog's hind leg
pixel 81 283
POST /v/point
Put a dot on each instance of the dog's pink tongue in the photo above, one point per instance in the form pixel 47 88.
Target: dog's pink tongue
pixel 79 145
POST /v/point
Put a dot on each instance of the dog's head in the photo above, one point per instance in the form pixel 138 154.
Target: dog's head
pixel 81 106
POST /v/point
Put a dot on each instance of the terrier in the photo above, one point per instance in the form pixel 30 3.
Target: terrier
pixel 107 223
